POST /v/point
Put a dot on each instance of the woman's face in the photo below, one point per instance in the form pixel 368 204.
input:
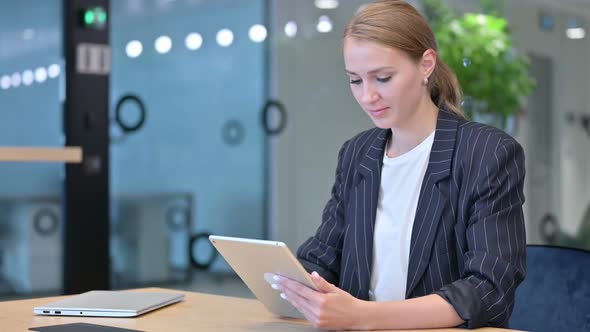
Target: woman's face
pixel 387 84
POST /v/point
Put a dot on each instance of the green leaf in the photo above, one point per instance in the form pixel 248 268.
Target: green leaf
pixel 495 75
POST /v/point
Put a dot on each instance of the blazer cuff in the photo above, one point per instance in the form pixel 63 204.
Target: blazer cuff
pixel 310 267
pixel 466 302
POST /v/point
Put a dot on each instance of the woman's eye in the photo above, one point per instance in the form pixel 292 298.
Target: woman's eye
pixel 383 79
pixel 355 81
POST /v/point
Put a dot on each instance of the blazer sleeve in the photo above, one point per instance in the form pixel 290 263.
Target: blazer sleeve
pixel 495 260
pixel 322 252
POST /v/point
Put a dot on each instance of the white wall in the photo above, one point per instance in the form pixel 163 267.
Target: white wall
pixel 571 148
pixel 569 181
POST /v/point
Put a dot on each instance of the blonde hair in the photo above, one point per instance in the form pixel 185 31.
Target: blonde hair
pixel 396 24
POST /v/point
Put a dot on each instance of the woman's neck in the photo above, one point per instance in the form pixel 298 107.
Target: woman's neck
pixel 414 131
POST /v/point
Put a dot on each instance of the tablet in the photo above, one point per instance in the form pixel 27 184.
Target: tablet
pixel 256 261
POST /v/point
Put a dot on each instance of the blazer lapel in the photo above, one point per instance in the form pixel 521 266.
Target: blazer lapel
pixel 366 195
pixel 431 202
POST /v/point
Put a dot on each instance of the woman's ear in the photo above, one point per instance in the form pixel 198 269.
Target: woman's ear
pixel 428 62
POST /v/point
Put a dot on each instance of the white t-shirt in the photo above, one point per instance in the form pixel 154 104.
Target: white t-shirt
pixel 401 180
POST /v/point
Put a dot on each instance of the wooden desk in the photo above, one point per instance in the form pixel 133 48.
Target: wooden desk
pixel 198 312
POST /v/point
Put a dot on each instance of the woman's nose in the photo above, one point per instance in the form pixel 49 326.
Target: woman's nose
pixel 369 95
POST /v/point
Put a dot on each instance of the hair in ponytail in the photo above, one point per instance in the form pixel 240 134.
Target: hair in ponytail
pixel 396 24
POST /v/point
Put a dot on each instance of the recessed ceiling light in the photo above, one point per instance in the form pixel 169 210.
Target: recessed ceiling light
pixel 575 33
pixel 193 41
pixel 225 37
pixel 15 80
pixel 291 29
pixel 40 74
pixel 324 24
pixel 134 48
pixel 326 4
pixel 257 33
pixel 163 44
pixel 28 77
pixel 5 82
pixel 53 70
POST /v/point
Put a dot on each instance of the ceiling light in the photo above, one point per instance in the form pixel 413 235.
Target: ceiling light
pixel 193 41
pixel 163 44
pixel 28 77
pixel 326 4
pixel 5 82
pixel 15 80
pixel 225 37
pixel 257 33
pixel 134 49
pixel 575 33
pixel 40 75
pixel 291 29
pixel 53 70
pixel 324 24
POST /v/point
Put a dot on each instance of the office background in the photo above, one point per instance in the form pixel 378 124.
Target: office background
pixel 246 105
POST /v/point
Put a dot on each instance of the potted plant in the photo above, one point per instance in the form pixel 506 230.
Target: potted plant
pixel 494 77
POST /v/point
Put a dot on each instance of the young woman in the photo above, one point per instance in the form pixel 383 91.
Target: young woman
pixel 424 228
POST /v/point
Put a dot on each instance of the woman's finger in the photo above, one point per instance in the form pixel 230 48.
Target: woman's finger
pixel 300 304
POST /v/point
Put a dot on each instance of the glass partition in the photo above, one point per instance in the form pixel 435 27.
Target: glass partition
pixel 187 92
pixel 31 93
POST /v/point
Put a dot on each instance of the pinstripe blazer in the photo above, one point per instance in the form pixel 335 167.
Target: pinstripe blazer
pixel 468 239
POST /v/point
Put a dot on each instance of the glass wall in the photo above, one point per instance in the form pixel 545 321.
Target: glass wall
pixel 197 162
pixel 31 92
pixel 308 78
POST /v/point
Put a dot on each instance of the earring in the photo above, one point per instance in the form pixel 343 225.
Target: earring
pixel 425 80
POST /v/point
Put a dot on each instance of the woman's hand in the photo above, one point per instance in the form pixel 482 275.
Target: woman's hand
pixel 328 308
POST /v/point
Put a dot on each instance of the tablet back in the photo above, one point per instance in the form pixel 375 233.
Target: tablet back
pixel 252 259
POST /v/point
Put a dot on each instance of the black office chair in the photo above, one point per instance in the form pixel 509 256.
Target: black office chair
pixel 555 295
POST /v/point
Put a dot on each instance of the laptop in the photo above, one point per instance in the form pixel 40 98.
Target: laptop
pixel 109 304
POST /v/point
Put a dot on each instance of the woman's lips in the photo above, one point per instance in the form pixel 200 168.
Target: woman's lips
pixel 378 112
